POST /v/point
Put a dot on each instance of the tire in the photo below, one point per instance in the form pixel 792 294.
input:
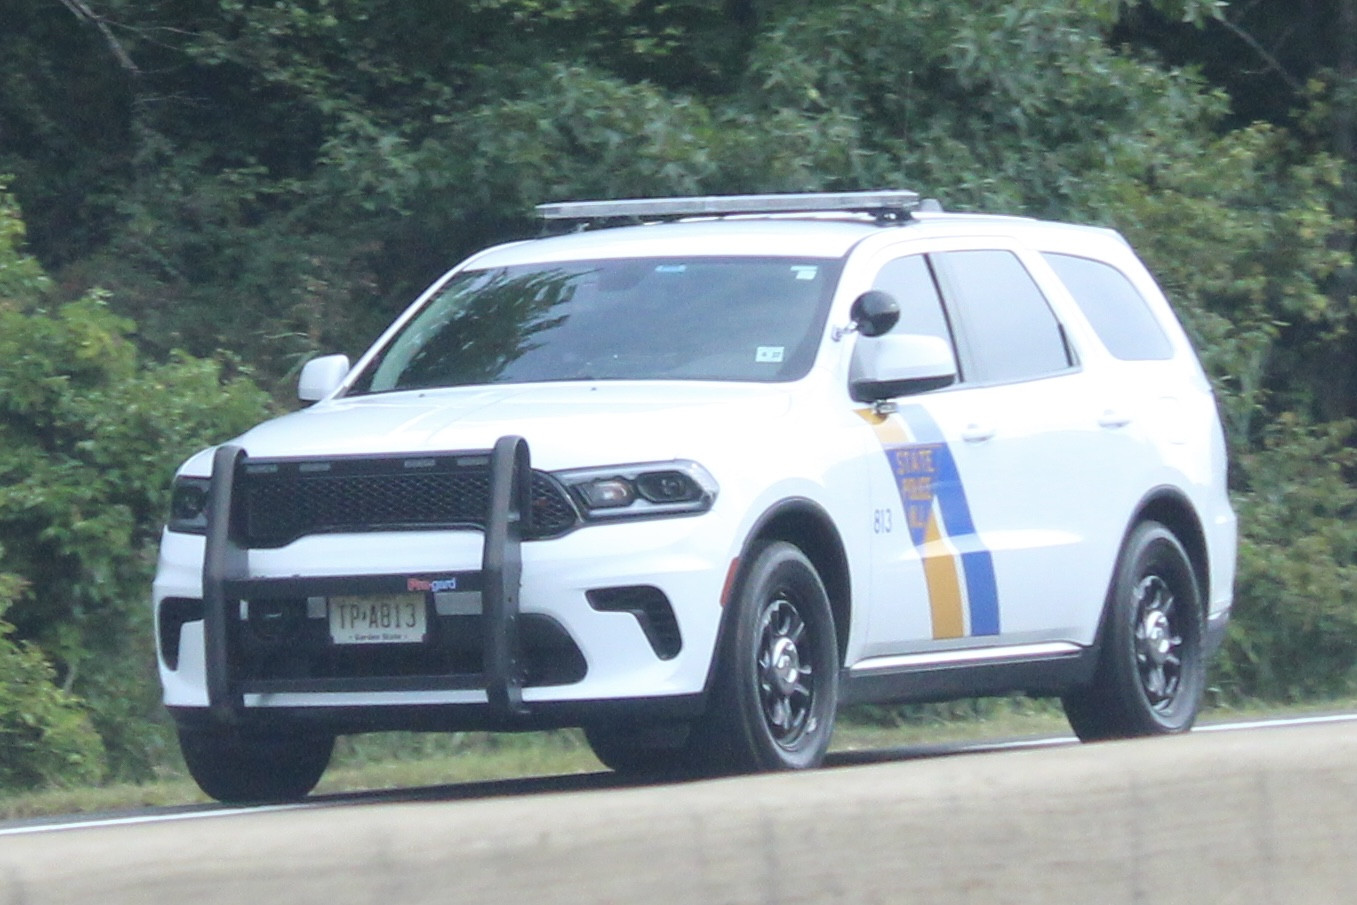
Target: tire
pixel 649 750
pixel 249 767
pixel 1151 669
pixel 773 701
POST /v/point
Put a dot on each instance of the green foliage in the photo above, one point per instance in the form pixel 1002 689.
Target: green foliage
pixel 308 200
pixel 45 736
pixel 1294 632
pixel 1195 12
pixel 1239 233
pixel 89 437
pixel 20 275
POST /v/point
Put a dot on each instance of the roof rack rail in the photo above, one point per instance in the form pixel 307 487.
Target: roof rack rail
pixel 886 203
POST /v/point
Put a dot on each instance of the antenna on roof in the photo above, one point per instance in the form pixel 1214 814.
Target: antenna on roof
pixel 888 204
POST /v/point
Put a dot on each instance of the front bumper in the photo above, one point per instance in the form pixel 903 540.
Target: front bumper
pixel 204 662
pixel 1217 624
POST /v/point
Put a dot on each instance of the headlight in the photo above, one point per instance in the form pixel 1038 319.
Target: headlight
pixel 649 490
pixel 188 505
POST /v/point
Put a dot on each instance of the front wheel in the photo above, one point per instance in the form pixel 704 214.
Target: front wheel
pixel 651 750
pixel 1151 670
pixel 773 703
pixel 237 767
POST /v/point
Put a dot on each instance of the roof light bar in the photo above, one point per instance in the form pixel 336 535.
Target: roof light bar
pixel 897 201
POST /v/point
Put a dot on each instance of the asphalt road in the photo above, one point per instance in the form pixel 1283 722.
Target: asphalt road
pixel 1252 816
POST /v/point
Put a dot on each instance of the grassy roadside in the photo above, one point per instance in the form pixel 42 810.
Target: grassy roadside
pixel 403 761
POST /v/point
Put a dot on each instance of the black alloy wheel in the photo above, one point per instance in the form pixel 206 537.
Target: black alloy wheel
pixel 1151 670
pixel 776 691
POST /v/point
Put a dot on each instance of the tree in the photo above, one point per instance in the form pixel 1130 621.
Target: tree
pixel 45 733
pixel 89 437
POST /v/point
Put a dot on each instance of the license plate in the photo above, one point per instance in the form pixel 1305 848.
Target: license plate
pixel 387 619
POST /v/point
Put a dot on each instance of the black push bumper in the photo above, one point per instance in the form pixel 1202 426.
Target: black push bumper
pixel 226 584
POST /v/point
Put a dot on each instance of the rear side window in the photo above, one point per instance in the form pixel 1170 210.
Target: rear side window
pixel 1009 330
pixel 1115 308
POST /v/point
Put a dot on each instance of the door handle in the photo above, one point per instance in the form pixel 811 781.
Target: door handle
pixel 1113 418
pixel 977 433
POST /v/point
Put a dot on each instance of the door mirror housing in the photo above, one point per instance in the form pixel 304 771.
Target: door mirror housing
pixel 874 312
pixel 322 376
pixel 885 367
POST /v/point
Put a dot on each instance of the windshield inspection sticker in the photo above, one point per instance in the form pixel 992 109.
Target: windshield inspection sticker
pixel 806 272
pixel 768 354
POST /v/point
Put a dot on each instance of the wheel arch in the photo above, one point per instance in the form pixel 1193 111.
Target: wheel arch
pixel 1172 509
pixel 807 526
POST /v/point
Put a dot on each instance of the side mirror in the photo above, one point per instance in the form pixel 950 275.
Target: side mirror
pixel 875 312
pixel 884 367
pixel 321 377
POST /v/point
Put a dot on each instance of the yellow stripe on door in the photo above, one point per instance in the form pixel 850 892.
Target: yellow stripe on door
pixel 944 586
pixel 940 562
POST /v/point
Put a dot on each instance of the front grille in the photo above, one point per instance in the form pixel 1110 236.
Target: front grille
pixel 277 501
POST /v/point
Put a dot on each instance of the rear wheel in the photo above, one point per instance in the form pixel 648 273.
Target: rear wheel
pixel 772 706
pixel 1151 670
pixel 238 767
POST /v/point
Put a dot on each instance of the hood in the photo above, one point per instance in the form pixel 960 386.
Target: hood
pixel 567 425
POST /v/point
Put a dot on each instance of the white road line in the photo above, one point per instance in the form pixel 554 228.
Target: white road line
pixel 1053 742
pixel 149 818
pixel 1278 723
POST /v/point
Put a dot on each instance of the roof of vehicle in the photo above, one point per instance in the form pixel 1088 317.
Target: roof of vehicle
pixel 760 237
pixel 744 227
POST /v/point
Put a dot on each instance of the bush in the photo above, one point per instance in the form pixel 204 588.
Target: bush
pixel 90 434
pixel 45 735
pixel 1294 630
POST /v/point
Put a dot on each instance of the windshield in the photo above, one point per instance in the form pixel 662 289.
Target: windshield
pixel 749 319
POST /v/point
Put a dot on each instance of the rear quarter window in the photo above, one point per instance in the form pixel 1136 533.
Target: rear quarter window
pixel 1114 307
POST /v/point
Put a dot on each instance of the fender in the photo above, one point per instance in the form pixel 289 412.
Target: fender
pixel 806 524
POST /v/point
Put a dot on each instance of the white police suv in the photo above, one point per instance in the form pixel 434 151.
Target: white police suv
pixel 699 473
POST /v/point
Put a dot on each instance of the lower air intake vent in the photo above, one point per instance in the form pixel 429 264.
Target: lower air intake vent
pixel 651 609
